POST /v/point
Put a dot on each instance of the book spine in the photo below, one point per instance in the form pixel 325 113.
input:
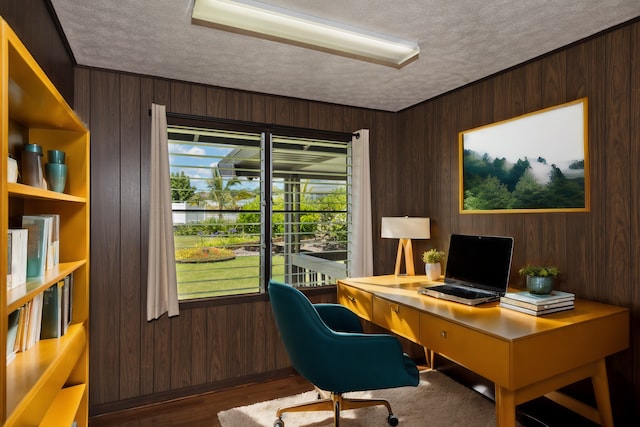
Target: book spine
pixel 533 312
pixel 51 313
pixel 537 307
pixel 37 246
pixel 18 257
pixel 9 280
pixel 539 300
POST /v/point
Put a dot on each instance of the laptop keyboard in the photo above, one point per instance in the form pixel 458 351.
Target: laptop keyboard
pixel 461 292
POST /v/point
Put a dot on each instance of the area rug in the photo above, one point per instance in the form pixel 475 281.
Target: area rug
pixel 438 401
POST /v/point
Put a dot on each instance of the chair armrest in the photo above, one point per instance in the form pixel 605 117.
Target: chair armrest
pixel 339 318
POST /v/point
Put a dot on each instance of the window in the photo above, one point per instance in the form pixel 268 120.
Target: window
pixel 251 204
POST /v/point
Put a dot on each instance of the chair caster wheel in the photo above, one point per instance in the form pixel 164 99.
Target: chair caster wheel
pixel 393 420
pixel 280 423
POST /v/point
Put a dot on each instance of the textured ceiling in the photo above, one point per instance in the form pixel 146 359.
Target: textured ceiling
pixel 460 41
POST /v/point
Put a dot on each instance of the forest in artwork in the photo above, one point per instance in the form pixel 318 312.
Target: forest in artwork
pixel 494 183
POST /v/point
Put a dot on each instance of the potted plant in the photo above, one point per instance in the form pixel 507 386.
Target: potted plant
pixel 540 279
pixel 432 266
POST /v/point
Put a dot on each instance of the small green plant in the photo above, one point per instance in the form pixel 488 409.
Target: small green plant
pixel 432 256
pixel 539 271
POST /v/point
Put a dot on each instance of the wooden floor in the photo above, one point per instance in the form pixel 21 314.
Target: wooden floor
pixel 201 411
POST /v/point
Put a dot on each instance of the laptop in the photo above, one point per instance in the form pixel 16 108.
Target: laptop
pixel 477 270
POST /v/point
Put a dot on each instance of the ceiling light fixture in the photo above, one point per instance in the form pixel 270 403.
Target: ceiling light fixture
pixel 274 23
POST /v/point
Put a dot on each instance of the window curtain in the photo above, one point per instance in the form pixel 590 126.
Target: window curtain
pixel 361 238
pixel 162 288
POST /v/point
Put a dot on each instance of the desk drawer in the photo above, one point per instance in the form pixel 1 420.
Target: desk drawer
pixel 398 318
pixel 358 301
pixel 483 354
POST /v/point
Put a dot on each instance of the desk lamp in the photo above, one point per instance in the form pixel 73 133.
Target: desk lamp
pixel 405 229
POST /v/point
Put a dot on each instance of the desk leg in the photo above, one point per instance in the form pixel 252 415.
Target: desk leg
pixel 505 407
pixel 429 356
pixel 601 391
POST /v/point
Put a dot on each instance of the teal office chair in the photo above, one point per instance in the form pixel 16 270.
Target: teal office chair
pixel 327 347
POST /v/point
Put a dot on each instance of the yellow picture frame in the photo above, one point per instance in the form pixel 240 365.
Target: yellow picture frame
pixel 536 162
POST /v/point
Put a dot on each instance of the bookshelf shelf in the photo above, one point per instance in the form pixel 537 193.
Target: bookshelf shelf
pixel 17 297
pixel 40 372
pixel 64 407
pixel 29 192
pixel 46 384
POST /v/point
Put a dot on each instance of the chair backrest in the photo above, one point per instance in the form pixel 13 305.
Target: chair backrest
pixel 303 332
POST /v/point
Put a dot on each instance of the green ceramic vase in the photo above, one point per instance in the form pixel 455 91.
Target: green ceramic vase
pixel 539 285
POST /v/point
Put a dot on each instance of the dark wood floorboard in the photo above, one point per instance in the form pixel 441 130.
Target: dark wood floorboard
pixel 202 410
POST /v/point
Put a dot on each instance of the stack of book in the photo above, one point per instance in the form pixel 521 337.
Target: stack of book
pixel 538 305
pixel 48 315
pixel 33 249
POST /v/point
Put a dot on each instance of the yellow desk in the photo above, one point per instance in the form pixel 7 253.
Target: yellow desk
pixel 524 356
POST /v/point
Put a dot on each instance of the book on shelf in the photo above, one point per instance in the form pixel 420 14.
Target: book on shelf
pixel 17 347
pixel 568 306
pixel 528 297
pixel 9 276
pixel 17 258
pixel 53 240
pixel 35 321
pixel 29 324
pixel 12 334
pixel 23 326
pixel 67 284
pixel 37 243
pixel 52 313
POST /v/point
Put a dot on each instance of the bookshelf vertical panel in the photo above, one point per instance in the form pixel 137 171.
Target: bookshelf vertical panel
pixel 51 377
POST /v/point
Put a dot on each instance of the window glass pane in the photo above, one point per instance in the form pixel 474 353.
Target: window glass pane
pixel 216 212
pixel 310 209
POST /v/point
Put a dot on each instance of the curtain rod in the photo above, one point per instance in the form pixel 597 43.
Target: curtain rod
pixel 245 123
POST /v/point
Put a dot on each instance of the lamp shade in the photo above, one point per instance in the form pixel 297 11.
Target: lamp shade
pixel 405 228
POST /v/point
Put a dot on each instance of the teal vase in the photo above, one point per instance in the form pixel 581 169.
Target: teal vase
pixel 56 174
pixel 539 285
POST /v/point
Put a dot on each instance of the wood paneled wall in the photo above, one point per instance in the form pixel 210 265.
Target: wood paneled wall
pixel 598 251
pixel 207 346
pixel 36 25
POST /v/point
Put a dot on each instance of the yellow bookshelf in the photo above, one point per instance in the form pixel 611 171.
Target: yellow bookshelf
pixel 46 385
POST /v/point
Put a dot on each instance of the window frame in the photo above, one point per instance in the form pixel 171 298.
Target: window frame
pixel 177 119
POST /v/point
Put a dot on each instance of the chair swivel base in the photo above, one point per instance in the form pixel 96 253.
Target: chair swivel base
pixel 335 403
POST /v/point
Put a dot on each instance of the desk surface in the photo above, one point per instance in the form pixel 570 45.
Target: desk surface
pixel 488 318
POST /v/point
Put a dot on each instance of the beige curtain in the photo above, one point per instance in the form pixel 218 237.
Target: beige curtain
pixel 162 288
pixel 361 238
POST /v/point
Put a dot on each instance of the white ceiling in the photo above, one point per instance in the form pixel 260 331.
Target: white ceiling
pixel 460 41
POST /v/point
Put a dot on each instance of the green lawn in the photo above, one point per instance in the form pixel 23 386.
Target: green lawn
pixel 237 276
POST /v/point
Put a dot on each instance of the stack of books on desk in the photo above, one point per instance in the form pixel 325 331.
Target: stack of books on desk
pixel 538 305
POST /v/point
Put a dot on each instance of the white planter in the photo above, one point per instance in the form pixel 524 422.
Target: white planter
pixel 433 270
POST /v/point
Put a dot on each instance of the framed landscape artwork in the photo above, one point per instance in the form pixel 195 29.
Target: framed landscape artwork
pixel 537 162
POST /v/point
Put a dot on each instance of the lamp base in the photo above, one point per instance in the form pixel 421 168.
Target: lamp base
pixel 405 246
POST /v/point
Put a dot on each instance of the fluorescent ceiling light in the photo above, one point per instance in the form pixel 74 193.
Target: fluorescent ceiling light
pixel 274 23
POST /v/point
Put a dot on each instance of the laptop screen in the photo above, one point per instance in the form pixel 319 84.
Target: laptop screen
pixel 482 262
